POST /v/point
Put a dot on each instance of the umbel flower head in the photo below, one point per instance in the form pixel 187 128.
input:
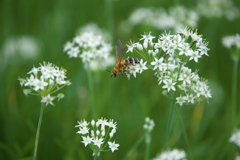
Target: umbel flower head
pixel 92 49
pixel 98 135
pixel 232 42
pixel 235 138
pixel 174 154
pixel 218 9
pixel 168 58
pixel 173 18
pixel 44 81
pixel 148 127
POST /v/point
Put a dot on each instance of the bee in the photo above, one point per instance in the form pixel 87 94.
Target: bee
pixel 121 64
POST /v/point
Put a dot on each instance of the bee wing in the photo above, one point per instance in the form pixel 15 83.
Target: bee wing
pixel 120 51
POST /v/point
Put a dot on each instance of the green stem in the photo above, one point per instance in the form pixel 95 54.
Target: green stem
pixel 148 141
pixel 184 134
pixel 234 92
pixel 170 120
pixel 133 148
pixel 38 132
pixel 95 157
pixel 91 94
pixel 169 124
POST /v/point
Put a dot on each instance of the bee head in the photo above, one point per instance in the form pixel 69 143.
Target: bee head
pixel 113 73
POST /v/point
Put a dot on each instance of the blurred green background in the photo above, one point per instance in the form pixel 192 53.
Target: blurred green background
pixel 54 22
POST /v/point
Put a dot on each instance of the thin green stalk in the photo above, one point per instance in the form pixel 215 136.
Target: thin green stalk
pixel 148 141
pixel 169 124
pixel 91 95
pixel 234 92
pixel 95 157
pixel 133 148
pixel 38 132
pixel 171 116
pixel 184 134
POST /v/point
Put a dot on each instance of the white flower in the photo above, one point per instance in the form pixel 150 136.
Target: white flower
pixel 83 130
pixel 19 49
pixel 83 123
pixel 98 134
pixel 73 52
pixel 39 84
pixel 133 69
pixel 90 47
pixel 113 146
pixel 158 64
pixel 181 100
pixel 27 91
pixel 30 81
pixel 60 96
pixel 131 46
pixel 86 140
pixel 149 124
pixel 169 84
pixel 34 71
pixel 44 80
pixel 232 42
pixel 174 154
pixel 142 66
pixel 194 55
pixel 98 142
pixel 235 138
pixel 172 18
pixel 111 124
pixel 47 99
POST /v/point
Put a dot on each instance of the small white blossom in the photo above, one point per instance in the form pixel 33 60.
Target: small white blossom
pixel 158 64
pixel 113 146
pixel 169 85
pixel 98 142
pixel 86 140
pixel 47 99
pixel 181 100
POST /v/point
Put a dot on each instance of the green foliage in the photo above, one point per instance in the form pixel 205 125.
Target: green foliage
pixel 53 23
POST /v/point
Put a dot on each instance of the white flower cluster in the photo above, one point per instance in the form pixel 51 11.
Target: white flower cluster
pixel 218 9
pixel 91 48
pixel 99 136
pixel 45 80
pixel 16 48
pixel 149 124
pixel 235 138
pixel 174 154
pixel 168 57
pixel 93 27
pixel 148 127
pixel 237 158
pixel 231 41
pixel 174 18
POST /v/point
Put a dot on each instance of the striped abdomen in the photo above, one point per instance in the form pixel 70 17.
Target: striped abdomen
pixel 132 61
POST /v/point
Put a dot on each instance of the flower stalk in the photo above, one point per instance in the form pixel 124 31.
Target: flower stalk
pixel 38 132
